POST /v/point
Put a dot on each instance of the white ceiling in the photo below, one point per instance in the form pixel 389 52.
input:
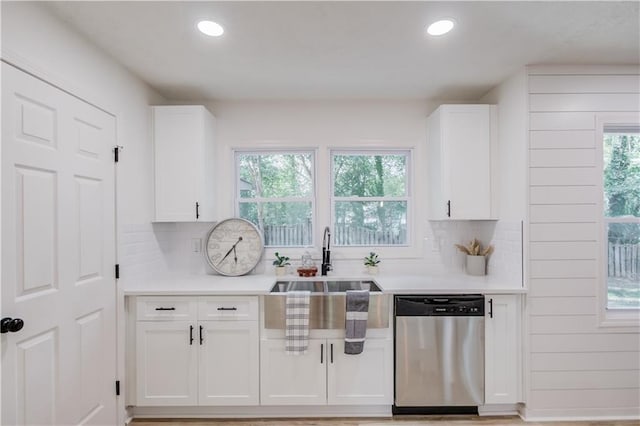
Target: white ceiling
pixel 350 50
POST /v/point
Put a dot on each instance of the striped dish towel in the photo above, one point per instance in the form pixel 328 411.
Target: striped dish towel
pixel 357 313
pixel 297 322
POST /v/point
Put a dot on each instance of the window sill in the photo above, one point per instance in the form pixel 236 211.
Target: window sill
pixel 626 320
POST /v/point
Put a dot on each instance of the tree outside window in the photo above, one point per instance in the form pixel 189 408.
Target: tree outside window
pixel 622 216
pixel 276 191
pixel 370 197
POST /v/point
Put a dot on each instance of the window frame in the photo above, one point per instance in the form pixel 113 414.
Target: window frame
pixel 312 198
pixel 628 318
pixel 408 197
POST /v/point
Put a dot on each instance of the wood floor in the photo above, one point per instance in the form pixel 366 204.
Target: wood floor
pixel 395 421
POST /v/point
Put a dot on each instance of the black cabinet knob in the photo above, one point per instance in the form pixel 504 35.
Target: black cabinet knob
pixel 11 325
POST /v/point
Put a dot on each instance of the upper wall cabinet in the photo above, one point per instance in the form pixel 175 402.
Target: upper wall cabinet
pixel 462 151
pixel 183 146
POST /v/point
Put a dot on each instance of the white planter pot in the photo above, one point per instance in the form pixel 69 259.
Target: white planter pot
pixel 476 265
pixel 281 270
pixel 372 270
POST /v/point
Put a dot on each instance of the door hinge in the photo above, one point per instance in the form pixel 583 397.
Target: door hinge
pixel 117 270
pixel 116 153
pixel 117 387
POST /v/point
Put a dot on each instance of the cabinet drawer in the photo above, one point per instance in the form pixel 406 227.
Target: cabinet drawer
pixel 228 308
pixel 169 308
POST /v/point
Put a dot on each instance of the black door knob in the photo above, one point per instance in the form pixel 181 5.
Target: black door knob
pixel 11 325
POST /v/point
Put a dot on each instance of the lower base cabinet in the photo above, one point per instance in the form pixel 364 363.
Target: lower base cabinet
pixel 166 364
pixel 197 360
pixel 502 349
pixel 362 379
pixel 228 363
pixel 326 375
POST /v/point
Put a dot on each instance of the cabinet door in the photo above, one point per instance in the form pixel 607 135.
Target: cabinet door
pixel 461 144
pixel 228 362
pixel 178 135
pixel 166 363
pixel 466 154
pixel 292 379
pixel 363 379
pixel 502 349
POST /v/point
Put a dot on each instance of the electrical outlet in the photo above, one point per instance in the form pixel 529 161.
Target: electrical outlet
pixel 196 245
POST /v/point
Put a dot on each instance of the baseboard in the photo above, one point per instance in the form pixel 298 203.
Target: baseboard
pixel 498 410
pixel 579 414
pixel 279 411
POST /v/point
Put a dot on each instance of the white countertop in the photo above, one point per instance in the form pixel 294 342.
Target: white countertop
pixel 261 284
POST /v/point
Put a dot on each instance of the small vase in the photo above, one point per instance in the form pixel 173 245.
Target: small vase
pixel 281 270
pixel 372 270
pixel 476 265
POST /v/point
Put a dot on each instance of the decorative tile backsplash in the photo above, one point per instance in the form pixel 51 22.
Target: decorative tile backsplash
pixel 504 264
pixel 159 248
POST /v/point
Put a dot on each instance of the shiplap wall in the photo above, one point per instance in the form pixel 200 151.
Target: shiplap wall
pixel 576 367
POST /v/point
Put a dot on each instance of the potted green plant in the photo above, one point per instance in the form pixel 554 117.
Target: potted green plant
pixel 281 264
pixel 476 263
pixel 371 263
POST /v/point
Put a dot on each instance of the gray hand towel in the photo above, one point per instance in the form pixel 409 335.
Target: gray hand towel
pixel 357 313
pixel 297 322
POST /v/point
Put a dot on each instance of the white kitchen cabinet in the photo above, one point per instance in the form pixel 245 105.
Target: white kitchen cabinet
pixel 326 375
pixel 293 379
pixel 362 379
pixel 183 148
pixel 166 364
pixel 228 368
pixel 502 349
pixel 462 152
pixel 197 351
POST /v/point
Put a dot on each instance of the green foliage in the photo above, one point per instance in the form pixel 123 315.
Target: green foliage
pixel 276 191
pixel 370 178
pixel 371 260
pixel 269 176
pixel 369 175
pixel 281 260
pixel 622 184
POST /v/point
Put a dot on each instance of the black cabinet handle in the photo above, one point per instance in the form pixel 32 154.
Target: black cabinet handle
pixel 332 353
pixel 448 208
pixel 191 335
pixel 165 309
pixel 490 308
pixel 321 353
pixel 201 338
pixel 197 210
pixel 228 309
pixel 11 325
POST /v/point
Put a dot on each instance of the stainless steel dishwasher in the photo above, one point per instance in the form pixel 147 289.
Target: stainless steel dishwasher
pixel 439 354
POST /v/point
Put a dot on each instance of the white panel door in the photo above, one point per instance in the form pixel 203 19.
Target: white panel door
pixel 362 379
pixel 228 363
pixel 167 363
pixel 58 256
pixel 501 350
pixel 293 379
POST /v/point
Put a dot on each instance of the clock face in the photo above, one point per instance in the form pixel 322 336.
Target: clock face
pixel 234 247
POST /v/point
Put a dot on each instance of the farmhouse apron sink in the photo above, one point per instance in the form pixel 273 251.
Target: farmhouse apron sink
pixel 327 304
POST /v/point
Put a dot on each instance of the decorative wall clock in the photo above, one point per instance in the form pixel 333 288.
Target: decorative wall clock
pixel 234 247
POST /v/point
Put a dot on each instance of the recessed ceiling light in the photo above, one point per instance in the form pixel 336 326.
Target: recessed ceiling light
pixel 440 27
pixel 210 28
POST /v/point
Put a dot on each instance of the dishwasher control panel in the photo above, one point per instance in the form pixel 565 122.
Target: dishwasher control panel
pixel 454 305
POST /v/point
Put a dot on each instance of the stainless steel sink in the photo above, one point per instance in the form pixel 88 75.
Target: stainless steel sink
pixel 327 304
pixel 338 286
